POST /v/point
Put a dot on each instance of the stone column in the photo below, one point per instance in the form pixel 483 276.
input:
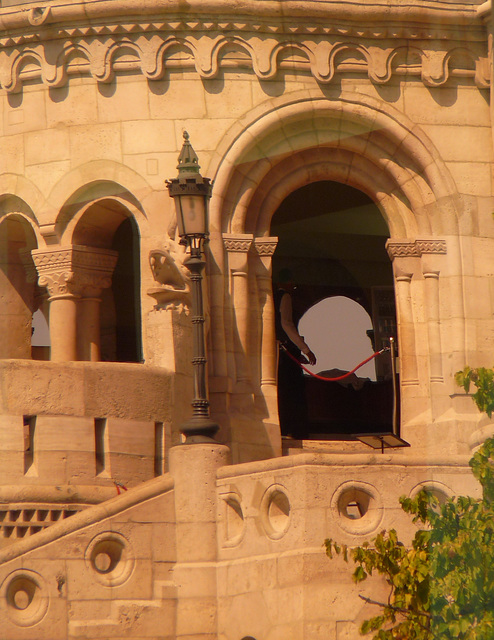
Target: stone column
pixel 429 251
pixel 238 247
pixel 74 277
pixel 404 255
pixel 265 248
pixel 268 365
pixel 89 335
pixel 432 301
pixel 62 315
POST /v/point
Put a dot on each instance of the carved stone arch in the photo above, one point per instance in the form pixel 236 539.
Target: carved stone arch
pixel 94 180
pixel 108 229
pixel 105 70
pixel 363 125
pixel 354 139
pixel 225 47
pixel 290 51
pixel 92 273
pixel 19 61
pixel 13 206
pixel 93 222
pixel 20 195
pixel 345 53
pixel 342 166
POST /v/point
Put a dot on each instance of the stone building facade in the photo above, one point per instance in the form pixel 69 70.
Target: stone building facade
pixel 333 101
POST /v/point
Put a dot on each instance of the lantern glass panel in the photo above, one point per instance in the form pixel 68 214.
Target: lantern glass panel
pixel 191 215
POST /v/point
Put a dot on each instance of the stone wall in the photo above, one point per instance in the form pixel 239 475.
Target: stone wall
pixel 389 99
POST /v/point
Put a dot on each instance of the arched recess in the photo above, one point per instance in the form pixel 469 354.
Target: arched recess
pixel 93 275
pixel 19 295
pixel 109 299
pixel 354 140
pixel 76 202
pixel 332 239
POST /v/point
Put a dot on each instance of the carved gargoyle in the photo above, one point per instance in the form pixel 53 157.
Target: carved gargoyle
pixel 174 291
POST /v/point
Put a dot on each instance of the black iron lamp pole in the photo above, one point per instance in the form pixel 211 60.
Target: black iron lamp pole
pixel 191 193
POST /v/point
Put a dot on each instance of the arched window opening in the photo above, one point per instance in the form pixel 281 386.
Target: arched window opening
pixel 108 227
pixel 18 291
pixel 331 239
pixel 126 294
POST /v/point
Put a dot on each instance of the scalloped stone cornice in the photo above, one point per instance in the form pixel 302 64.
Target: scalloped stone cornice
pixel 52 41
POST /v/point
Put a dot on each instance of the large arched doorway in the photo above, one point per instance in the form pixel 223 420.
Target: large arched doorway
pixel 332 238
pixel 364 143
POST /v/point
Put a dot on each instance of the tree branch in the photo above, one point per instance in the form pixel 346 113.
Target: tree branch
pixel 390 606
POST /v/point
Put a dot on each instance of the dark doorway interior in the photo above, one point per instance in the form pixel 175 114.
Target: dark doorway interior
pixel 332 238
pixel 121 317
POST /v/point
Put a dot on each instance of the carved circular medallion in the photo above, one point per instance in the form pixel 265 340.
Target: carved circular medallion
pixel 357 507
pixel 275 512
pixel 26 597
pixel 110 557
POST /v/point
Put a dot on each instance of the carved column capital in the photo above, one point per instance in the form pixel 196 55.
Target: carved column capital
pixel 238 242
pixel 76 270
pixel 266 246
pixel 402 249
pixel 238 246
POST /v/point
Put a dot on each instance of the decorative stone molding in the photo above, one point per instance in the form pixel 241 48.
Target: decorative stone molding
pixel 73 270
pixel 402 249
pixel 58 48
pixel 431 246
pixel 415 248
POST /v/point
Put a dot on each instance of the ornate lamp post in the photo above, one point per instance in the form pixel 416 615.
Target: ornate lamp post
pixel 191 193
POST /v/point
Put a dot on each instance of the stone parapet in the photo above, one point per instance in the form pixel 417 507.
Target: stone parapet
pixel 104 389
pixel 67 429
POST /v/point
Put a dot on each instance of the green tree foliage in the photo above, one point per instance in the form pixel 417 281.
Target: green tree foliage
pixel 483 379
pixel 442 587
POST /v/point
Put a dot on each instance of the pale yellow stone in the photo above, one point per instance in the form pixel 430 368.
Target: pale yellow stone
pixel 102 139
pixel 92 122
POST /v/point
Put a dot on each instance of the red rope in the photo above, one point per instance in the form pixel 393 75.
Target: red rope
pixel 349 373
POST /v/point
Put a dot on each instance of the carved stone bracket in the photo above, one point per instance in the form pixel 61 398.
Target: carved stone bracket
pixel 173 291
pixel 75 270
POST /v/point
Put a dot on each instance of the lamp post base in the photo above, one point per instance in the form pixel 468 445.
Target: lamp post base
pixel 199 429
